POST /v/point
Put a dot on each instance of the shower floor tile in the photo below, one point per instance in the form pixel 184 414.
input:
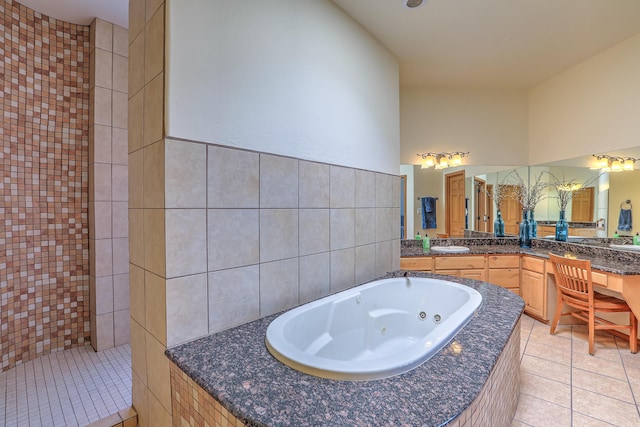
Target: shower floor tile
pixel 74 387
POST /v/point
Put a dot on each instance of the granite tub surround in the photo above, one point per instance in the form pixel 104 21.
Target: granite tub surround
pixel 473 381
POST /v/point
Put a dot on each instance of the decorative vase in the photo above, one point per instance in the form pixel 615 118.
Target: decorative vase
pixel 525 237
pixel 498 226
pixel 562 228
pixel 533 226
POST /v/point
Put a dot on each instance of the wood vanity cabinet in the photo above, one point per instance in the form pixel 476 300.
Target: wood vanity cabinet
pixel 504 270
pixel 533 286
pixel 469 266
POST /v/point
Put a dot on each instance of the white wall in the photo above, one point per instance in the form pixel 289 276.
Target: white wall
pixel 295 78
pixel 491 125
pixel 591 108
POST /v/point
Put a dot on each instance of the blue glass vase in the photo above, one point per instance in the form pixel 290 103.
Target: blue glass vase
pixel 533 226
pixel 498 226
pixel 562 228
pixel 525 237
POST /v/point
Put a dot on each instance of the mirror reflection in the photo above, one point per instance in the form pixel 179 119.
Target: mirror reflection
pixel 461 201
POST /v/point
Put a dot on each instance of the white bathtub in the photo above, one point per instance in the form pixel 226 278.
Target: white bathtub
pixel 372 331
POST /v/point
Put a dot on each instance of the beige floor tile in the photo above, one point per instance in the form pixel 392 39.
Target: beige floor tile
pixel 599 366
pixel 550 353
pixel 581 420
pixel 533 411
pixel 546 389
pixel 544 368
pixel 604 408
pixel 603 385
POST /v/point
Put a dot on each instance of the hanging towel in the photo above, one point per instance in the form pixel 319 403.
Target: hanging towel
pixel 429 212
pixel 624 221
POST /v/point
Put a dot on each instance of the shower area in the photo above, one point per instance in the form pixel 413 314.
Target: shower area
pixel 64 233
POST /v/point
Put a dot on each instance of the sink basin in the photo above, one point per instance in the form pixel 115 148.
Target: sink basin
pixel 553 236
pixel 626 247
pixel 449 249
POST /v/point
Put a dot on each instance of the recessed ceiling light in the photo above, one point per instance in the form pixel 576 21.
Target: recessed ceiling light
pixel 412 4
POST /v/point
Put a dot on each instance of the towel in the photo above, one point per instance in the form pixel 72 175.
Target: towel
pixel 624 221
pixel 429 212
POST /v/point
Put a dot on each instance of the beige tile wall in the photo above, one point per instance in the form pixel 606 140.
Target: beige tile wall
pixel 238 221
pixel 149 289
pixel 108 189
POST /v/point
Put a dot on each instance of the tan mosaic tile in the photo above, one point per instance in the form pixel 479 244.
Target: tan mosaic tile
pixel 44 246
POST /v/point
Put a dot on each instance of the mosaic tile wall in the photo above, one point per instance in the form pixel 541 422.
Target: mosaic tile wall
pixel 44 245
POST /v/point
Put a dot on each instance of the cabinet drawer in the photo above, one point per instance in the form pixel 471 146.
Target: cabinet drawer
pixel 416 263
pixel 533 264
pixel 504 261
pixel 599 279
pixel 459 262
pixel 505 277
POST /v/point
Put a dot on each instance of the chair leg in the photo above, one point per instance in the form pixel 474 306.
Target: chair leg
pixel 556 316
pixel 592 331
pixel 633 333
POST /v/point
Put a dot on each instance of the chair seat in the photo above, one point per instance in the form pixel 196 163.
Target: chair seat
pixel 606 302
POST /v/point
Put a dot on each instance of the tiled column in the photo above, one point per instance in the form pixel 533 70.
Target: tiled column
pixel 151 380
pixel 108 195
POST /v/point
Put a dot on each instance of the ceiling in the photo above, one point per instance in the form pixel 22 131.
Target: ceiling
pixel 493 44
pixel 83 11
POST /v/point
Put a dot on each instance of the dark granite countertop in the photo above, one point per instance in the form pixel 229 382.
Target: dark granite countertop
pixel 602 258
pixel 235 367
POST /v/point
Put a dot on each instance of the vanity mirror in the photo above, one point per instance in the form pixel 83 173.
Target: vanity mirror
pixel 593 212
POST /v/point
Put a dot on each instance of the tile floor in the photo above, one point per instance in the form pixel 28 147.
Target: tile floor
pixel 561 385
pixel 69 388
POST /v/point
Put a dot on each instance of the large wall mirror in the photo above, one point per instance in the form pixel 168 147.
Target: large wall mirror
pixel 593 210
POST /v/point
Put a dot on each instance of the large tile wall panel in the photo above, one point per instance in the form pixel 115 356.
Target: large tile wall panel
pixel 44 231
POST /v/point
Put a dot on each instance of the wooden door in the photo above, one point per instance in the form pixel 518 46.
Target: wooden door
pixel 480 205
pixel 511 210
pixel 455 211
pixel 582 205
pixel 490 217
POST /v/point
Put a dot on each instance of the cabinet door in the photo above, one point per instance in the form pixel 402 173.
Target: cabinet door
pixel 506 277
pixel 477 274
pixel 532 289
pixel 449 272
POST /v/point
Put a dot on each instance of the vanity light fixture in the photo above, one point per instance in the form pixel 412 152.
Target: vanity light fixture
pixel 442 160
pixel 613 164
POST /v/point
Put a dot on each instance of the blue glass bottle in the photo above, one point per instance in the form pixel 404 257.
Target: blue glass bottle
pixel 562 228
pixel 498 226
pixel 525 237
pixel 533 226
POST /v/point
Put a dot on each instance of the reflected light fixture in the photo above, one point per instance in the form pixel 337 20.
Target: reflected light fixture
pixel 442 160
pixel 613 163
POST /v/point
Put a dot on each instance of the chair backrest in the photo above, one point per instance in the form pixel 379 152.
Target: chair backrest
pixel 573 277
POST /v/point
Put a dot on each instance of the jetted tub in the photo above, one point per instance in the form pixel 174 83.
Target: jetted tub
pixel 376 330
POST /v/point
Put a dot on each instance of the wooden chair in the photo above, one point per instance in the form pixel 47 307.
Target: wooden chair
pixel 575 289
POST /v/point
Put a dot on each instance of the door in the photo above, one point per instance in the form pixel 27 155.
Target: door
pixel 490 208
pixel 511 209
pixel 481 203
pixel 454 193
pixel 582 205
pixel 403 206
